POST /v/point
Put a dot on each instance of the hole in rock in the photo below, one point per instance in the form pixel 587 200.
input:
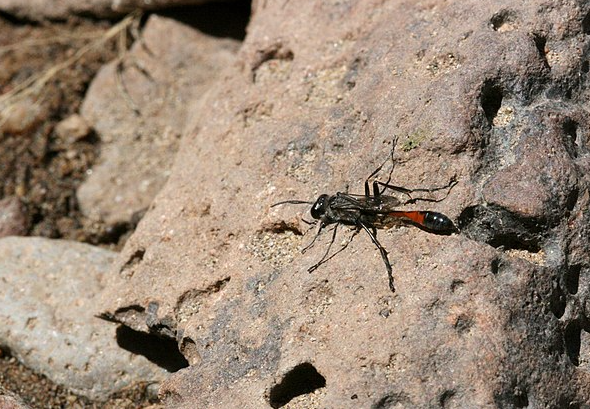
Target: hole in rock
pixel 446 397
pixel 541 43
pixel 570 138
pixel 161 351
pixel 503 20
pixel 586 24
pixel 572 278
pixel 463 323
pixel 491 99
pixel 392 400
pixel 557 302
pixel 224 19
pixel 572 340
pixel 521 399
pixel 501 229
pixel 300 380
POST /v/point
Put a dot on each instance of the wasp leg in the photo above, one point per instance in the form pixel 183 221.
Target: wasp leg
pixel 322 260
pixel 373 236
pixel 375 186
pixel 409 192
pixel 321 225
pixel 314 267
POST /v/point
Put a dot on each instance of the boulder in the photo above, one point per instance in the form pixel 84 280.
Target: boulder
pixel 487 94
pixel 49 295
pixel 138 108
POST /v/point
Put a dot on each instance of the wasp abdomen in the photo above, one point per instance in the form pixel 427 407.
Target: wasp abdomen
pixel 437 222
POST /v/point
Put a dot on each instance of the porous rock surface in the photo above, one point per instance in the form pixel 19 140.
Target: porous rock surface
pixel 138 108
pixel 48 295
pixel 489 94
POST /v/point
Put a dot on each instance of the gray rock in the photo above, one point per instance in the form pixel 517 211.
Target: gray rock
pixel 13 221
pixel 48 304
pixel 171 67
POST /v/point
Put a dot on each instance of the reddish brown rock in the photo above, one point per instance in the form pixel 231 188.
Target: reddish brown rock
pixel 493 316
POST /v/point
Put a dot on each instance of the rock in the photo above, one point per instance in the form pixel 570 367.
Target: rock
pixel 489 94
pixel 13 221
pixel 72 129
pixel 171 66
pixel 22 116
pixel 39 10
pixel 48 294
pixel 10 401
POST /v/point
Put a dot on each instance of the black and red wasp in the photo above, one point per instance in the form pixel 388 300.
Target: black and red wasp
pixel 369 212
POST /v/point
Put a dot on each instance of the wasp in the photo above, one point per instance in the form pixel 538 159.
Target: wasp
pixel 373 211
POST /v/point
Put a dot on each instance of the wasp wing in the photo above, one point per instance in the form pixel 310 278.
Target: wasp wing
pixel 369 204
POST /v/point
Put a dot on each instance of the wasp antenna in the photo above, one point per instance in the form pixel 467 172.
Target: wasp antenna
pixel 291 202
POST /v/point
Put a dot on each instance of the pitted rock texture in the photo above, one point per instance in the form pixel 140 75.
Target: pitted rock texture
pixel 491 95
pixel 138 107
pixel 49 296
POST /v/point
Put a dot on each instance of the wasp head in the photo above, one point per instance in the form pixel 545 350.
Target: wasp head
pixel 319 207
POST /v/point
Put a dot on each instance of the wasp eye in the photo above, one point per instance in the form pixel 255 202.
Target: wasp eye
pixel 319 207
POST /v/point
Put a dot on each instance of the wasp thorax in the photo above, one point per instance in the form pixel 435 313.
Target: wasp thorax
pixel 319 207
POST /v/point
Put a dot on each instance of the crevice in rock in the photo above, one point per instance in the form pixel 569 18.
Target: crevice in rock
pixel 457 284
pixel 512 396
pixel 17 21
pixel 352 74
pixel 540 43
pixel 113 233
pixel 521 399
pixel 496 265
pixel 571 278
pixel 572 341
pixel 446 397
pixel 300 380
pixel 282 226
pixel 161 351
pixel 134 259
pixel 463 323
pixel 586 24
pixel 188 348
pixel 570 137
pixel 189 303
pixel 392 400
pixel 123 313
pixel 224 19
pixel 491 97
pixel 276 51
pixel 557 302
pixel 501 229
pixel 502 20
